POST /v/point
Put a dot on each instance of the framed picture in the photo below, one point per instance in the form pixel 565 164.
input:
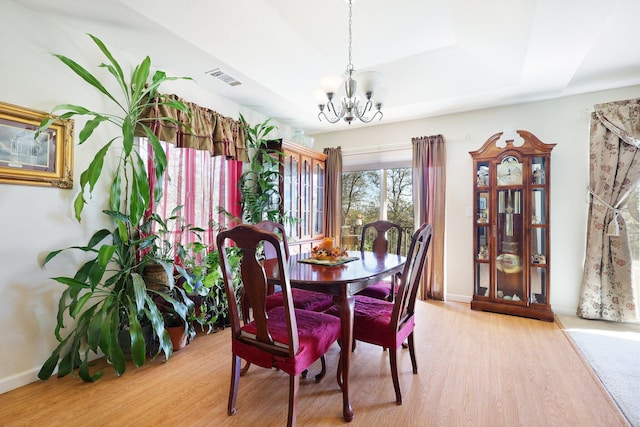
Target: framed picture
pixel 24 159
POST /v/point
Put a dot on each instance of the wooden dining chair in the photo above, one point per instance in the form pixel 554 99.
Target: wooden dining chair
pixel 302 298
pixel 388 324
pixel 376 234
pixel 285 338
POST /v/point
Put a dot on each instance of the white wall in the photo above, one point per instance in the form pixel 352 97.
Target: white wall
pixel 563 121
pixel 35 220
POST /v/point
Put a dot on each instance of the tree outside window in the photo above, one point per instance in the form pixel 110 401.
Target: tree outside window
pixel 370 195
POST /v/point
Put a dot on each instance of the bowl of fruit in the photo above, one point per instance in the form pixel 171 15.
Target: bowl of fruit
pixel 328 254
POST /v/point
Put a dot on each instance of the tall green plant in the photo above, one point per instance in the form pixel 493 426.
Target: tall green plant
pixel 130 186
pixel 107 294
pixel 259 184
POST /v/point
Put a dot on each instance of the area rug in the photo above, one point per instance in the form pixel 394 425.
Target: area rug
pixel 613 352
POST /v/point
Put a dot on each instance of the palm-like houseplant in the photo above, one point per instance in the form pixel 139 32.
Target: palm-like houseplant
pixel 107 294
pixel 259 184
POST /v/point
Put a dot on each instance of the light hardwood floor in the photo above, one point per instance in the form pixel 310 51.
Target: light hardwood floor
pixel 474 369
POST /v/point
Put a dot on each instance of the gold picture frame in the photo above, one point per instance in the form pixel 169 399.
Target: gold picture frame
pixel 27 160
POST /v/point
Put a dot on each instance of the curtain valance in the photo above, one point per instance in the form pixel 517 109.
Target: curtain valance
pixel 204 130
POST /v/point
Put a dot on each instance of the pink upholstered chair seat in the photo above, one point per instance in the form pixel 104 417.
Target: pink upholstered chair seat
pixel 302 299
pixel 380 290
pixel 316 333
pixel 372 323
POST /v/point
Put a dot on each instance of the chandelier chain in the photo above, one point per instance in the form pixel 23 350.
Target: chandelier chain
pixel 350 65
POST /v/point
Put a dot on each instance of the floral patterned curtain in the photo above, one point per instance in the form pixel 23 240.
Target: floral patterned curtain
pixel 429 162
pixel 607 289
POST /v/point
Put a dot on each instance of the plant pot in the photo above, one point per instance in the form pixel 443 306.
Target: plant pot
pixel 178 337
pixel 155 277
pixel 224 320
pixel 124 339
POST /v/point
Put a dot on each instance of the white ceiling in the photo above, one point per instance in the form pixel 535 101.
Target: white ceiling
pixel 438 56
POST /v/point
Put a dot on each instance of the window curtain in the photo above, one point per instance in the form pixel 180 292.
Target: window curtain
pixel 333 192
pixel 203 129
pixel 204 186
pixel 234 198
pixel 614 171
pixel 429 201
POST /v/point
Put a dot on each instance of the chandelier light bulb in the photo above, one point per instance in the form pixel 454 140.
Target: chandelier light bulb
pixel 380 96
pixel 369 81
pixel 330 84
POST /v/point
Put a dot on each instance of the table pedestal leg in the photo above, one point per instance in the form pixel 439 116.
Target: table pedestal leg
pixel 346 304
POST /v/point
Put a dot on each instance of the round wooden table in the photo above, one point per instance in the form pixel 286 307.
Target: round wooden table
pixel 342 281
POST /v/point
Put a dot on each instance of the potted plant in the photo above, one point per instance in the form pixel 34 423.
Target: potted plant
pixel 191 259
pixel 201 279
pixel 107 294
pixel 178 320
pixel 165 257
pixel 215 304
pixel 259 184
pixel 157 265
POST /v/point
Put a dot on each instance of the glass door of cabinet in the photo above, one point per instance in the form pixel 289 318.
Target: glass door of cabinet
pixel 538 273
pixel 291 197
pixel 482 271
pixel 509 251
pixel 538 170
pixel 539 246
pixel 538 206
pixel 305 198
pixel 482 274
pixel 318 198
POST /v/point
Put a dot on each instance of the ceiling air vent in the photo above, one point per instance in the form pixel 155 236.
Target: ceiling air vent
pixel 221 75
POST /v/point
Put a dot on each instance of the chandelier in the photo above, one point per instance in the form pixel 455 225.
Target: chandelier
pixel 351 105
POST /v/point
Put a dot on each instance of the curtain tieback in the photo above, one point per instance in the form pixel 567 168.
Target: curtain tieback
pixel 613 229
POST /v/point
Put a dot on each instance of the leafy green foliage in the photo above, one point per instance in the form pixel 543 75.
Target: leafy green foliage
pixel 214 306
pixel 131 195
pixel 107 295
pixel 259 185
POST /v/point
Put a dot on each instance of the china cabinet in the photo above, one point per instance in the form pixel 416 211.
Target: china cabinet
pixel 511 250
pixel 302 190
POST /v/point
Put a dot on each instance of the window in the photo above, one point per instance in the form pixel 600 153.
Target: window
pixel 202 185
pixel 370 195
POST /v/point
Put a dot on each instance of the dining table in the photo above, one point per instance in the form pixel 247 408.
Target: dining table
pixel 342 280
